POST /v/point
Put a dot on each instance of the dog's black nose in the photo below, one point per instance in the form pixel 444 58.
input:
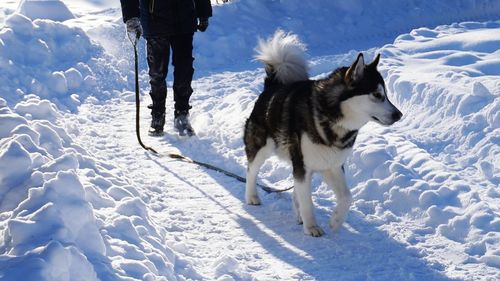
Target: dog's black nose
pixel 396 116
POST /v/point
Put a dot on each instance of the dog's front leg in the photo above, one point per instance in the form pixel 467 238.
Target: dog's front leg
pixel 336 180
pixel 306 209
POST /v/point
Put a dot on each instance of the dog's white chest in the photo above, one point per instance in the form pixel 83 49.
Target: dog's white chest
pixel 320 157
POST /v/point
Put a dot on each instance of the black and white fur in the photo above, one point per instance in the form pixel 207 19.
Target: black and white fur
pixel 311 123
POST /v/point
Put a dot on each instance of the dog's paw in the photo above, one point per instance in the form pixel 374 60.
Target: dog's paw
pixel 253 200
pixel 299 220
pixel 297 215
pixel 314 231
pixel 336 222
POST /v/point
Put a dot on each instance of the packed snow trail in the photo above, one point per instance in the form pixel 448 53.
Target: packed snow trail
pixel 210 227
pixel 404 218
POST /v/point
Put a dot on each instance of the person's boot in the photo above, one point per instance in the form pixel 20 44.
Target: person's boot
pixel 157 123
pixel 182 125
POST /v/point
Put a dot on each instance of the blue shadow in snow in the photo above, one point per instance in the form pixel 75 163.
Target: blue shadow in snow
pixel 358 252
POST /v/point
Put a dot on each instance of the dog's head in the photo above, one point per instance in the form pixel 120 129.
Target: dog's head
pixel 366 97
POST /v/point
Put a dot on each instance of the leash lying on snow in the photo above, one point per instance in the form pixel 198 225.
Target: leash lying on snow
pixel 175 155
pixel 220 170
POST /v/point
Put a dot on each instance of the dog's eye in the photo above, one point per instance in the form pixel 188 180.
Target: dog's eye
pixel 378 95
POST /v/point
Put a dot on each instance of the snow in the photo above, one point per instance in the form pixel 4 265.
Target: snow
pixel 45 9
pixel 80 200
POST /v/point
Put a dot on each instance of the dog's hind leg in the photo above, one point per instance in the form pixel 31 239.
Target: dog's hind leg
pixel 296 207
pixel 254 164
pixel 336 180
pixel 257 148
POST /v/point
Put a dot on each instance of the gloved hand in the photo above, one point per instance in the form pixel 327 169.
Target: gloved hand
pixel 202 24
pixel 134 26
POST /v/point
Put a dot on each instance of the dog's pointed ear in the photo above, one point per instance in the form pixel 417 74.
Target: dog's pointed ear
pixel 374 63
pixel 357 69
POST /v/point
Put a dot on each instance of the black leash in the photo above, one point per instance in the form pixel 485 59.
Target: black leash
pixel 227 173
pixel 175 155
pixel 137 99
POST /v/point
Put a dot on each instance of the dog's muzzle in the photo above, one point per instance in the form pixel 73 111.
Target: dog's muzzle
pixel 396 116
pixel 389 119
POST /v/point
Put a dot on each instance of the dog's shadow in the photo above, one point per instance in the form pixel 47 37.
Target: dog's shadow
pixel 358 251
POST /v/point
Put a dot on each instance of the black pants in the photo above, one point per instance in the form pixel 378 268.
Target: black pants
pixel 158 49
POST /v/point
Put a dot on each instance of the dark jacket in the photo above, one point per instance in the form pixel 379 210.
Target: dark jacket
pixel 166 17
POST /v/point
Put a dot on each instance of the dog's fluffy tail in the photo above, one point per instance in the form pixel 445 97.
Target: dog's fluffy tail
pixel 284 56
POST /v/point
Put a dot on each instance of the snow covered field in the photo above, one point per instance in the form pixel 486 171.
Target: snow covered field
pixel 80 200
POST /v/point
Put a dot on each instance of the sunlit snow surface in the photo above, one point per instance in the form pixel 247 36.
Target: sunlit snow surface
pixel 80 200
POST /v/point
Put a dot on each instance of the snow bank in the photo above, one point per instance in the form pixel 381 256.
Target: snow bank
pixel 466 92
pixel 45 9
pixel 447 173
pixel 53 61
pixel 65 215
pixel 327 27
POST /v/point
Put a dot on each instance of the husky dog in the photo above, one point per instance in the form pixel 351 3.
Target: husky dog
pixel 311 123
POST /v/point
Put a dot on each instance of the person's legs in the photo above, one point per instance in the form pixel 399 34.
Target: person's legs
pixel 158 52
pixel 182 60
